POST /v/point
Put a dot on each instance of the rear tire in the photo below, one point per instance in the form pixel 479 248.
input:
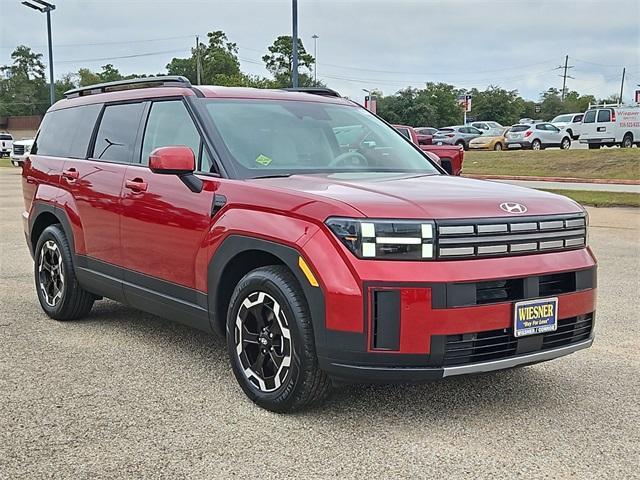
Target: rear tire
pixel 60 295
pixel 536 145
pixel 271 344
pixel 461 143
pixel 627 141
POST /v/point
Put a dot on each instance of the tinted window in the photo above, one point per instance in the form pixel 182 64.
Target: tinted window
pixel 169 124
pixel 475 131
pixel 405 132
pixel 577 118
pixel 589 117
pixel 541 126
pixel 67 132
pixel 519 128
pixel 604 115
pixel 117 132
pixel 446 130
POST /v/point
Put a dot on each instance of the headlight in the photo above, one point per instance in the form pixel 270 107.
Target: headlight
pixel 27 148
pixel 385 239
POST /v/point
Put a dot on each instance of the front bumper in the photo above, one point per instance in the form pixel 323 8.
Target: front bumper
pixel 518 144
pixel 385 374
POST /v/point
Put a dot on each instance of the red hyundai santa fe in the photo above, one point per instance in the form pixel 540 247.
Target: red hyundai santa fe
pixel 318 240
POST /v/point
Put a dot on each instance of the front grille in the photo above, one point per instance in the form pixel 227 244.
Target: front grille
pixel 510 236
pixel 478 347
pixel 514 289
pixel 18 149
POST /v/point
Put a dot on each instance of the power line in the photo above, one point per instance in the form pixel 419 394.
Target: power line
pixel 137 55
pixel 120 42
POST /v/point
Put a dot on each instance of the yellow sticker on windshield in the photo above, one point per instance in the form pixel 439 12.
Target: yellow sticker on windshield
pixel 263 160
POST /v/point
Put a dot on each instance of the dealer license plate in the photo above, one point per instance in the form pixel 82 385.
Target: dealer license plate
pixel 535 316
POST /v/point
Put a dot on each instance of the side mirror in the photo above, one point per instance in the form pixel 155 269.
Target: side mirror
pixel 172 160
pixel 178 160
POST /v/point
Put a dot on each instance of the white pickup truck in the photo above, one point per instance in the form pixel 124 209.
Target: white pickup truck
pixel 21 149
pixel 6 141
pixel 611 124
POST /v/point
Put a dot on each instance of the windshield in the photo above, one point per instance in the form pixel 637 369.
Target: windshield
pixel 276 137
pixel 562 118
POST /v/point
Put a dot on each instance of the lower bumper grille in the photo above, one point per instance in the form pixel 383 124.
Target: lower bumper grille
pixel 498 344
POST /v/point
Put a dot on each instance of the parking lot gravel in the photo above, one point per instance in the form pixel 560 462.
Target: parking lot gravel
pixel 123 394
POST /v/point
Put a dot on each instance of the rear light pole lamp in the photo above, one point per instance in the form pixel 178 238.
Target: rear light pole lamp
pixel 45 7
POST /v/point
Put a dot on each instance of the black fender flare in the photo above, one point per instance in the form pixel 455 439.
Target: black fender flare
pixel 234 245
pixel 37 210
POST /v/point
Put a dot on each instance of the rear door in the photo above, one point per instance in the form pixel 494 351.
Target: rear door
pixel 95 182
pixel 164 224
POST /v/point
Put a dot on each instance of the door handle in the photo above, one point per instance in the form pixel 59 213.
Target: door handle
pixel 71 174
pixel 137 185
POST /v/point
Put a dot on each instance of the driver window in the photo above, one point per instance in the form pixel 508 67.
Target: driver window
pixel 169 124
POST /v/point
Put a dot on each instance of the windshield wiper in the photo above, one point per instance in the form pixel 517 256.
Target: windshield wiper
pixel 275 175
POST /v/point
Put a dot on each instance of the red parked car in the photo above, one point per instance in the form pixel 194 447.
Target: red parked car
pixel 305 230
pixel 450 157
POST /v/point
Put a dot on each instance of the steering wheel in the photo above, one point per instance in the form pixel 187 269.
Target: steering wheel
pixel 349 158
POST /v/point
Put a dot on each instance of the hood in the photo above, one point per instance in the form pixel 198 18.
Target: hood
pixel 393 195
pixel 23 142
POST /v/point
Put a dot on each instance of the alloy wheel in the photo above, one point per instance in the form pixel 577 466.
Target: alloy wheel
pixel 51 273
pixel 263 341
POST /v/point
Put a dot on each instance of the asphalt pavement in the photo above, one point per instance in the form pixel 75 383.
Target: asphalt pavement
pixel 123 394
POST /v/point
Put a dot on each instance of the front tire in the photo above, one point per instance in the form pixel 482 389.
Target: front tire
pixel 497 147
pixel 566 143
pixel 60 295
pixel 271 344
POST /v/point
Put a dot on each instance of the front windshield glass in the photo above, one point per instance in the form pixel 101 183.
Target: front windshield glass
pixel 562 118
pixel 276 137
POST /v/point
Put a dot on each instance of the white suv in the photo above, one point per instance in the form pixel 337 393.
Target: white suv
pixel 537 137
pixel 6 142
pixel 569 121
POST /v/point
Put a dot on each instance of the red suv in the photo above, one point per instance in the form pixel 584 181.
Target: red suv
pixel 310 233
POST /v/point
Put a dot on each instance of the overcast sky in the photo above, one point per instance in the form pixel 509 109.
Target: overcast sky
pixel 382 44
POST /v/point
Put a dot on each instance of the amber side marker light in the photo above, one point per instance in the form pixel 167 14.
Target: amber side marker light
pixel 307 272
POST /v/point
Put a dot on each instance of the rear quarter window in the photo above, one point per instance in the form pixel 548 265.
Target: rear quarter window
pixel 67 132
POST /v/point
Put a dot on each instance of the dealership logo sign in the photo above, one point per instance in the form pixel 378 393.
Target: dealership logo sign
pixel 512 207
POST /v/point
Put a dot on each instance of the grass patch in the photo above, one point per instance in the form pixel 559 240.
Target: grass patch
pixel 601 199
pixel 607 163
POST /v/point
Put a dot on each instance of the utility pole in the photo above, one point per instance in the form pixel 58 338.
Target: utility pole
pixel 622 84
pixel 315 57
pixel 564 76
pixel 294 67
pixel 197 60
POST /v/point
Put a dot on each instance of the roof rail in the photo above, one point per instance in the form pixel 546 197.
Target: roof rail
pixel 165 81
pixel 322 91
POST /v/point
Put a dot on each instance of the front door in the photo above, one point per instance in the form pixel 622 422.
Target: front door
pixel 164 224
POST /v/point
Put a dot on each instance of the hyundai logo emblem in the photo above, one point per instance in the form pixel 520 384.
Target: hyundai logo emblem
pixel 512 207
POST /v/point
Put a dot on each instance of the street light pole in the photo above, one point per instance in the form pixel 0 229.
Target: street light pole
pixel 44 7
pixel 294 67
pixel 315 57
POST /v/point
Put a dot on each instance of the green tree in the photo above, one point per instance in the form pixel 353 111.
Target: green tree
pixel 23 88
pixel 279 62
pixel 550 104
pixel 218 59
pixel 496 104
